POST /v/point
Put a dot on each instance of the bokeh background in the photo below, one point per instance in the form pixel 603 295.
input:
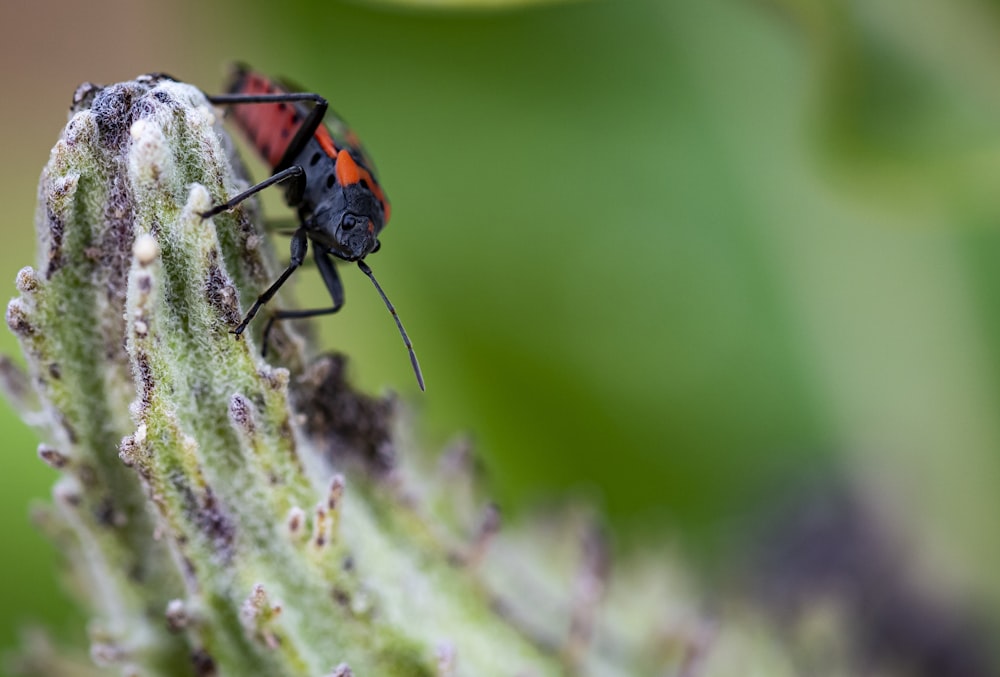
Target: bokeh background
pixel 682 259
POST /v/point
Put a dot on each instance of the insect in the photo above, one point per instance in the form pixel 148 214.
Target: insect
pixel 328 179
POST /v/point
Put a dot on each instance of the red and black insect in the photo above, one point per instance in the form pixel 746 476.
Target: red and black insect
pixel 328 178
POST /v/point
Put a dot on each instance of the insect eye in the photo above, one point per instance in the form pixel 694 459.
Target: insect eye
pixel 348 223
pixel 378 245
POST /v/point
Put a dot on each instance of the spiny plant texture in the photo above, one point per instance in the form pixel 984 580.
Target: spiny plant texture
pixel 220 515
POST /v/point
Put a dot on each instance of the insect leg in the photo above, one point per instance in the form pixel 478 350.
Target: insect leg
pixel 294 173
pixel 308 127
pixel 299 246
pixel 230 99
pixel 333 286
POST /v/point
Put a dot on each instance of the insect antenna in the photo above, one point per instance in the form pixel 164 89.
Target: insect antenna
pixel 402 332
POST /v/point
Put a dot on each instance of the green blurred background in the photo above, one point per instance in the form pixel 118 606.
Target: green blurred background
pixel 671 256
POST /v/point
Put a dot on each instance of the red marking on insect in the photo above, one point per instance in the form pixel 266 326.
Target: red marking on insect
pixel 270 126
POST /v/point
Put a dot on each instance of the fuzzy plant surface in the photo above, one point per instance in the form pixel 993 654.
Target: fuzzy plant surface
pixel 222 515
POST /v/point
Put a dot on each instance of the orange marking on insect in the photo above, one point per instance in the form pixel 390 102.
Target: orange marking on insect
pixel 326 141
pixel 348 171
